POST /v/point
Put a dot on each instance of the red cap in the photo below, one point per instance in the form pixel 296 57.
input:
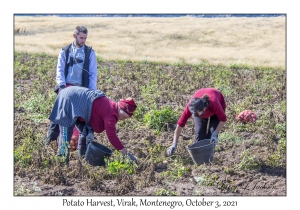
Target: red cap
pixel 127 105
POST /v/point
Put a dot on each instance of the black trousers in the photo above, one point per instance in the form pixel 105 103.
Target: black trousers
pixel 201 127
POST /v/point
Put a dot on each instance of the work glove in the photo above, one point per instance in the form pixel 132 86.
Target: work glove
pixel 171 149
pixel 214 137
pixel 89 138
pixel 131 157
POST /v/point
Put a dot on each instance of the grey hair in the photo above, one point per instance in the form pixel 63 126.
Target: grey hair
pixel 198 104
pixel 79 29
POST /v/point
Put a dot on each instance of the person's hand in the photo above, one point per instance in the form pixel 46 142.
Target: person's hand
pixel 131 157
pixel 214 137
pixel 171 149
pixel 124 151
pixel 89 138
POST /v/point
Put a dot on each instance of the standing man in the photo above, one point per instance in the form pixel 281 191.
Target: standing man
pixel 76 66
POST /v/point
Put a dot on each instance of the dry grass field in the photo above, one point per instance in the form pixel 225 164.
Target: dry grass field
pixel 256 42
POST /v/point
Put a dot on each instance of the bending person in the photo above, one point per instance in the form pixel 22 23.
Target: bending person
pixel 91 111
pixel 204 104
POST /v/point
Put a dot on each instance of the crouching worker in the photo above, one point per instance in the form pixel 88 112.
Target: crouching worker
pixel 90 111
pixel 204 104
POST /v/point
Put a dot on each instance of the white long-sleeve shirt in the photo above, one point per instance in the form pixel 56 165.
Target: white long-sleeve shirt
pixel 75 71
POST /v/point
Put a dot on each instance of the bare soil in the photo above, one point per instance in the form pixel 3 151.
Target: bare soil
pixel 76 180
pixel 264 182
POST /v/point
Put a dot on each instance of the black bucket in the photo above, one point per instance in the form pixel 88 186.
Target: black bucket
pixel 96 153
pixel 202 151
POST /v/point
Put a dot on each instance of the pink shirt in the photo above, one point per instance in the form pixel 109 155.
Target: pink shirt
pixel 105 117
pixel 216 106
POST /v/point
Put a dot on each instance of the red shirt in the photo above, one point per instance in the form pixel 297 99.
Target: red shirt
pixel 105 117
pixel 216 106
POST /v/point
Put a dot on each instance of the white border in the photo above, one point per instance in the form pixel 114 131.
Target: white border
pixel 154 6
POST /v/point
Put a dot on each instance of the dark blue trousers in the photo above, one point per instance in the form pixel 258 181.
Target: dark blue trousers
pixel 201 127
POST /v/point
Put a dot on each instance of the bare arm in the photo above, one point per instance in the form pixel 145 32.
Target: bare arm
pixel 177 133
pixel 220 126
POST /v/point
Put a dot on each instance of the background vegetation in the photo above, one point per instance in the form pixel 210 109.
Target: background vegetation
pixel 256 42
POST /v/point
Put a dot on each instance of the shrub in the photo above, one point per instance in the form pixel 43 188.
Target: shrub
pixel 120 165
pixel 158 119
pixel 248 162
